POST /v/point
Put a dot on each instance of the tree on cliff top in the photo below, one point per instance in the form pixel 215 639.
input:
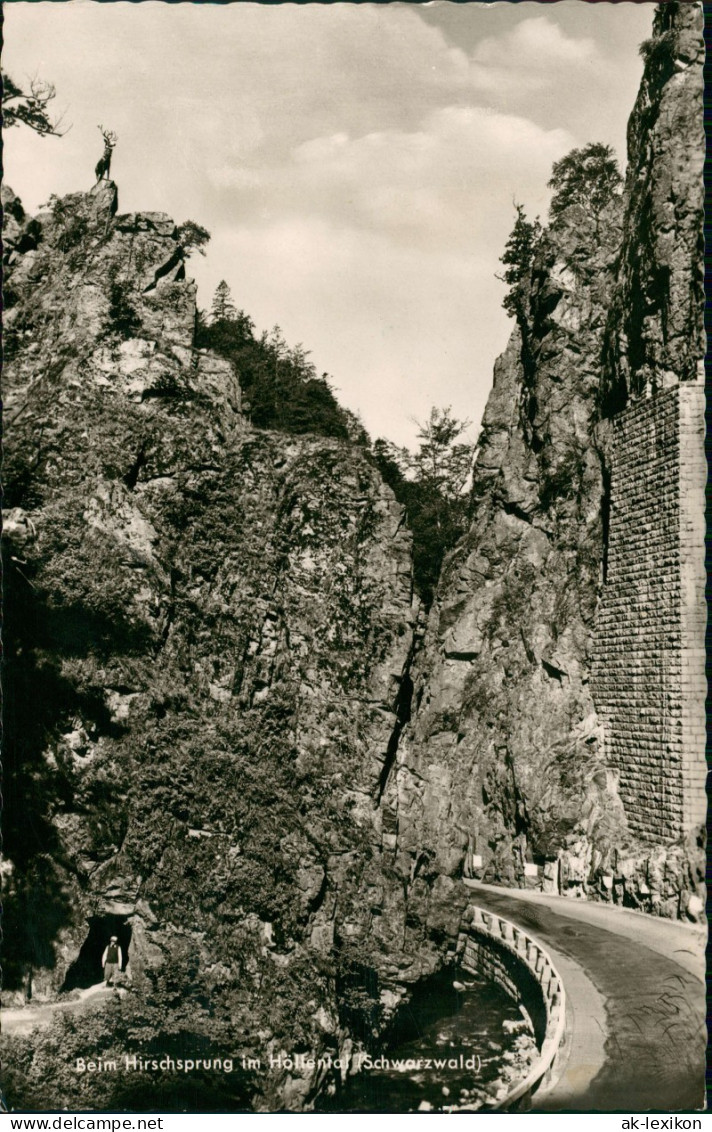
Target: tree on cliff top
pixel 440 462
pixel 432 484
pixel 517 257
pixel 29 109
pixel 589 177
pixel 223 308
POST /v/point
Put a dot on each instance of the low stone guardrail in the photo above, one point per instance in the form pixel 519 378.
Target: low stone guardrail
pixel 502 951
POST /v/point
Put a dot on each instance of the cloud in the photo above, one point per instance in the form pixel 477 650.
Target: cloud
pixel 355 166
pixel 437 186
pixel 537 43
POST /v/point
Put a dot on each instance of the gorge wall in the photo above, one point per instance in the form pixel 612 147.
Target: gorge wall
pixel 232 735
pixel 206 635
pixel 559 731
pixel 649 663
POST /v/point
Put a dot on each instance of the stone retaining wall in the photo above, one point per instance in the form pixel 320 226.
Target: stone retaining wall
pixel 648 677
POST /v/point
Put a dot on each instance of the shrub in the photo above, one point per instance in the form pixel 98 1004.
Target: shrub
pixel 659 49
pixel 122 314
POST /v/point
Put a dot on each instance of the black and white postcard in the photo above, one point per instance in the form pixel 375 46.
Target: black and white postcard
pixel 354 615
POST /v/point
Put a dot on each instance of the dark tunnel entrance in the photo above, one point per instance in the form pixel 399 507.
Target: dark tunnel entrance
pixel 86 970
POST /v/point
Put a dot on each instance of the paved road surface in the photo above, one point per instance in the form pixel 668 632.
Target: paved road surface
pixel 635 997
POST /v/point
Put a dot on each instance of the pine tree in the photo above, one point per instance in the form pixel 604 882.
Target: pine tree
pixel 517 257
pixel 223 308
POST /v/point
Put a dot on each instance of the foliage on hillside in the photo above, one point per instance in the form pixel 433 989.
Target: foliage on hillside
pixel 217 741
pixel 281 385
pixel 432 484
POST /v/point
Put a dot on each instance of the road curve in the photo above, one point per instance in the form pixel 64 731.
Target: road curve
pixel 635 1003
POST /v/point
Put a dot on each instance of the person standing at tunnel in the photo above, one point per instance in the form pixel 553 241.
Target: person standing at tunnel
pixel 111 960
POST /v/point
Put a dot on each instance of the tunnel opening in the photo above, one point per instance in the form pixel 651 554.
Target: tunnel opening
pixel 86 970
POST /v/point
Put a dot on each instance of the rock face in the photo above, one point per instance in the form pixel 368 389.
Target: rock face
pixel 511 764
pixel 505 753
pixel 208 628
pixel 656 333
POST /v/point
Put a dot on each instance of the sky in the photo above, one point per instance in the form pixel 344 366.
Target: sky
pixel 356 164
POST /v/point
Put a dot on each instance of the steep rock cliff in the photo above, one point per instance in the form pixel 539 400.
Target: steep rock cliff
pixel 207 632
pixel 503 769
pixel 655 336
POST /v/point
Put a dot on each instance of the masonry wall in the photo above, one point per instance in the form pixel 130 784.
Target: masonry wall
pixel 693 679
pixel 648 675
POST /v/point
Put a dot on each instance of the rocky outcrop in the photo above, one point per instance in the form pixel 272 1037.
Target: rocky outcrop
pixel 656 333
pixel 504 769
pixel 207 633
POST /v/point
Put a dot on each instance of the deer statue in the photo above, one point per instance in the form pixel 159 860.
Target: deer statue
pixel 103 165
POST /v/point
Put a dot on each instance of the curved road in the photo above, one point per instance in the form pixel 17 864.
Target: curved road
pixel 635 991
pixel 635 1003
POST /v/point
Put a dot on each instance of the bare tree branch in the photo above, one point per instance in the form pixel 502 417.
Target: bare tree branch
pixel 29 108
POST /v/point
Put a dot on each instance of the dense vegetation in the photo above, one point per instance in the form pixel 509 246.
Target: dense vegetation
pixel 281 386
pixel 432 484
pixel 284 392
